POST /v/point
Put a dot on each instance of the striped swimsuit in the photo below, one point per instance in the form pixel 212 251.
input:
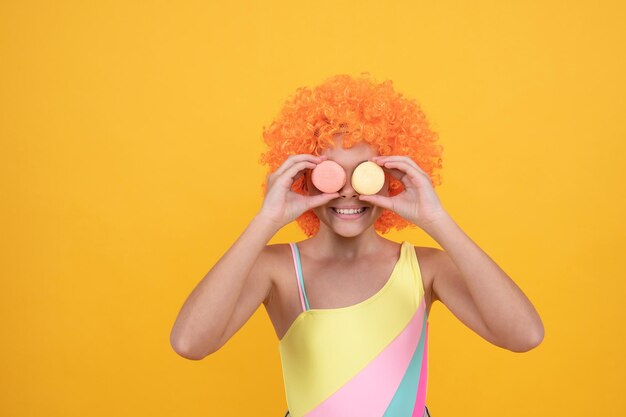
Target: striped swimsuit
pixel 368 359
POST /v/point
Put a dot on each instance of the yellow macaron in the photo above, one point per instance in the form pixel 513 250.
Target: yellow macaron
pixel 368 178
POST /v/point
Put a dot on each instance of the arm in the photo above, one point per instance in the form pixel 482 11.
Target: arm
pixel 227 296
pixel 466 280
pixel 237 284
pixel 480 293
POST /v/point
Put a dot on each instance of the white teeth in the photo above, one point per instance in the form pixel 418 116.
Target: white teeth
pixel 349 211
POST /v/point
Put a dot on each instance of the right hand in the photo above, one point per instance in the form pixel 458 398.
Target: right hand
pixel 281 205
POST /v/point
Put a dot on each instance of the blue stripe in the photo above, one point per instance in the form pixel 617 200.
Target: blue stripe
pixel 403 402
pixel 301 276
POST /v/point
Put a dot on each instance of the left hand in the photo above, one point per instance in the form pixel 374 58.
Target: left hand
pixel 418 203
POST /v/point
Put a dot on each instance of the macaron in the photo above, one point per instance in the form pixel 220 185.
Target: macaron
pixel 328 176
pixel 368 178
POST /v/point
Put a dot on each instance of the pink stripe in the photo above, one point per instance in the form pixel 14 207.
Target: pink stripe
pixel 298 278
pixel 420 400
pixel 369 392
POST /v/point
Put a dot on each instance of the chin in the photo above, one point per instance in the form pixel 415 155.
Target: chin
pixel 348 228
pixel 347 231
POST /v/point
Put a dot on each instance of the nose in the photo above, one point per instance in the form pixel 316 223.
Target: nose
pixel 347 191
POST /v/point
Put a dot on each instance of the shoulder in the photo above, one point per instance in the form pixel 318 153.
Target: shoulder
pixel 426 253
pixel 273 257
pixel 277 254
pixel 435 258
pixel 428 260
pixel 273 262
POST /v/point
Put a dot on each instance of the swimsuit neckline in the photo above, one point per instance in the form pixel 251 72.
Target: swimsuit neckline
pixel 351 307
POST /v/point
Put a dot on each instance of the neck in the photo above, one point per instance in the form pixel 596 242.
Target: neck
pixel 329 244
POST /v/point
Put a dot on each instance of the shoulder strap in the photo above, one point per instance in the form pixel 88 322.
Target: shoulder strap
pixel 298 267
pixel 416 270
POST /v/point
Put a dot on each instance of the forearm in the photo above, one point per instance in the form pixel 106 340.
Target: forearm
pixel 204 315
pixel 506 311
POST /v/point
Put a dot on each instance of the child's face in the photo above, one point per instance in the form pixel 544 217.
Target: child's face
pixel 347 225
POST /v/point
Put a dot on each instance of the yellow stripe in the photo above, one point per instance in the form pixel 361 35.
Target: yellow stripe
pixel 325 348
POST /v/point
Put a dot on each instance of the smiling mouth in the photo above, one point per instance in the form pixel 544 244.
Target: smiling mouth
pixel 349 214
pixel 349 211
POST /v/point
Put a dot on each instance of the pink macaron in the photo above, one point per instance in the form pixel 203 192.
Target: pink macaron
pixel 328 176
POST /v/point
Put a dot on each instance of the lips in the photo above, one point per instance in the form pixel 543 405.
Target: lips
pixel 350 207
pixel 349 216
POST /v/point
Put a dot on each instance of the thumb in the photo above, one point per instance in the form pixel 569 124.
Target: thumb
pixel 321 199
pixel 377 200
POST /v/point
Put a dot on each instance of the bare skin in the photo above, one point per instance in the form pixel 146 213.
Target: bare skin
pixel 347 262
pixel 362 279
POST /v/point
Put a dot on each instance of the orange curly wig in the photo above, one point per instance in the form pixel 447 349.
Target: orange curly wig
pixel 367 112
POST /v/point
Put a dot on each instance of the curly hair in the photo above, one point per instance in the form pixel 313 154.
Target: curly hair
pixel 365 111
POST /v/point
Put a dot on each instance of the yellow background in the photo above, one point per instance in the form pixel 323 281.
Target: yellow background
pixel 130 133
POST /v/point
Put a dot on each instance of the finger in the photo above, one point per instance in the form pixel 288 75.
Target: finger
pixel 294 159
pixel 394 172
pixel 294 172
pixel 378 200
pixel 400 158
pixel 404 158
pixel 321 199
pixel 287 178
pixel 410 173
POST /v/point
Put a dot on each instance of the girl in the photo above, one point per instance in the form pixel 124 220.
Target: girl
pixel 349 307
